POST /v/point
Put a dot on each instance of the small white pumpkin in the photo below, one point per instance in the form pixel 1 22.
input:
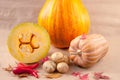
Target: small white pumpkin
pixel 86 50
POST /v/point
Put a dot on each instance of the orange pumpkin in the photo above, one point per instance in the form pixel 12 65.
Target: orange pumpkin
pixel 64 20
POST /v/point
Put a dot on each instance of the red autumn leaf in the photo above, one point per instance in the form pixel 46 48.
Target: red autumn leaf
pixel 81 77
pixel 84 77
pixel 76 74
pixel 99 75
pixel 45 59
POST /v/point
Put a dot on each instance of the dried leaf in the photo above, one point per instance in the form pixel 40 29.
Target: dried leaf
pixel 23 75
pixel 53 75
pixel 9 68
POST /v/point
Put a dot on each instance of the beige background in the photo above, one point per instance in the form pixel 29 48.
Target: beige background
pixel 105 19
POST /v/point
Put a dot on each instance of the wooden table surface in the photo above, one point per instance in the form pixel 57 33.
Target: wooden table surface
pixel 105 19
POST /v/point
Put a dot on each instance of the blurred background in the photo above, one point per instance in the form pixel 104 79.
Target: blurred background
pixel 105 19
pixel 104 14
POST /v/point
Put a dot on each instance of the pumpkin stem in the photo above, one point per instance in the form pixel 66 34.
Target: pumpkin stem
pixel 83 36
pixel 78 52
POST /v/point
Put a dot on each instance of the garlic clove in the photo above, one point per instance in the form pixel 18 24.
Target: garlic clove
pixel 59 57
pixel 49 66
pixel 62 67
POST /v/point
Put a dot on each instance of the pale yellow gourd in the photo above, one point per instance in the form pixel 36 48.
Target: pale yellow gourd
pixel 86 50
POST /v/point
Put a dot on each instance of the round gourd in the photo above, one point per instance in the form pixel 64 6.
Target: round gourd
pixel 64 20
pixel 28 42
pixel 86 50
